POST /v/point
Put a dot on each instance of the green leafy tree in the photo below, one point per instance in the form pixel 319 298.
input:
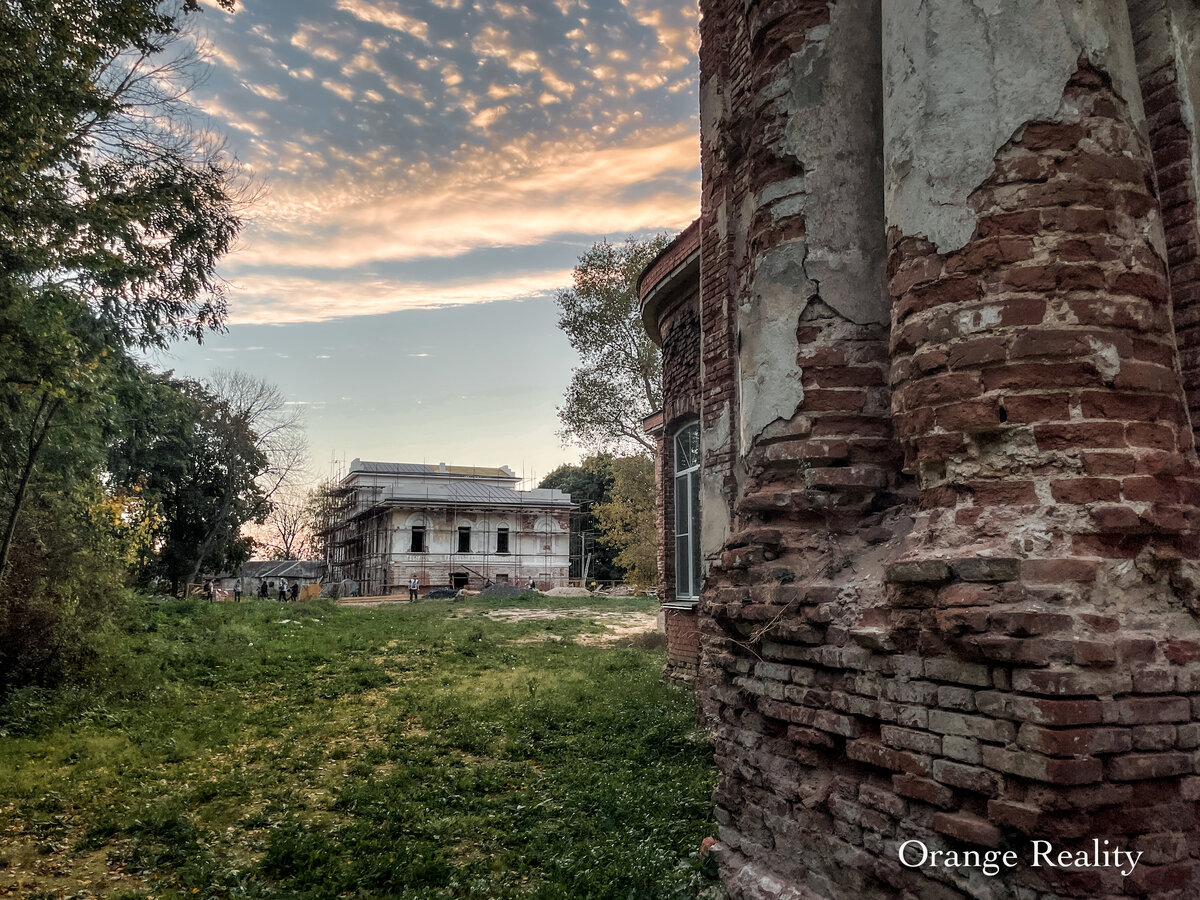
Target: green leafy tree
pixel 627 521
pixel 66 564
pixel 618 381
pixel 589 484
pixel 113 216
pixel 197 457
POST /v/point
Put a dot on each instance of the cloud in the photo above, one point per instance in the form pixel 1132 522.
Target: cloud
pixel 561 190
pixel 387 15
pixel 342 90
pixel 496 43
pixel 214 54
pixel 281 299
pixel 447 130
pixel 269 91
pixel 486 117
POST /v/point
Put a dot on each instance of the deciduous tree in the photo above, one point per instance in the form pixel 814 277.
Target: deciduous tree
pixel 618 381
pixel 197 457
pixel 627 521
pixel 112 216
pixel 589 484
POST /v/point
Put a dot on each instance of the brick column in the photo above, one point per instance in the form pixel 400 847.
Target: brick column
pixel 1167 40
pixel 1050 582
pixel 801 470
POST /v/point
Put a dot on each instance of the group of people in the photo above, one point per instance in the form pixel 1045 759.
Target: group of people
pixel 286 592
pixel 292 592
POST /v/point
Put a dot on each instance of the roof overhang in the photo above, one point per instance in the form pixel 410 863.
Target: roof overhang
pixel 669 275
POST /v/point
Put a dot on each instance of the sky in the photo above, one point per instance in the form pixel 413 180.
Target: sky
pixel 426 174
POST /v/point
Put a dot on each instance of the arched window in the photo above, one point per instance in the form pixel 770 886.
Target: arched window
pixel 687 512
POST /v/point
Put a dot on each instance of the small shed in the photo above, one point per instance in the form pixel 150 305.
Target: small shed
pixel 271 571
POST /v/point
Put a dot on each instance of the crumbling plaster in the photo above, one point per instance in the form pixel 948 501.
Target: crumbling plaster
pixel 770 377
pixel 829 102
pixel 715 522
pixel 835 127
pixel 961 77
pixel 1185 36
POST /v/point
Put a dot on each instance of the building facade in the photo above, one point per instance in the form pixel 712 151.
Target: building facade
pixel 947 366
pixel 448 526
pixel 669 291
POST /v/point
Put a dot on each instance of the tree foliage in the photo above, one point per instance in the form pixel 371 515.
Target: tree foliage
pixel 204 460
pixel 107 200
pixel 589 485
pixel 627 522
pixel 618 381
pixel 113 215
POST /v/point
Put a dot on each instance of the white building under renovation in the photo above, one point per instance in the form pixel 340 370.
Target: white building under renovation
pixel 450 526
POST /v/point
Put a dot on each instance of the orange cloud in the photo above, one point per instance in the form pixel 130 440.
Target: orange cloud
pixel 275 299
pixel 543 192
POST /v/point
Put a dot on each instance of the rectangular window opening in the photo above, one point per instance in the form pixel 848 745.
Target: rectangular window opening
pixel 464 539
pixel 501 540
pixel 418 539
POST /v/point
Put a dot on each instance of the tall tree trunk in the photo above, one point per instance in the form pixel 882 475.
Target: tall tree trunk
pixel 38 430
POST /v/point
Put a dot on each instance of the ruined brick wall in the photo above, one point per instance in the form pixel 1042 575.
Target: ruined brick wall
pixel 669 290
pixel 1169 71
pixel 683 644
pixel 951 481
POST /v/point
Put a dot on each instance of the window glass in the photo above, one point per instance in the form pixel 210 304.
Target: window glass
pixel 464 539
pixel 687 511
pixel 694 528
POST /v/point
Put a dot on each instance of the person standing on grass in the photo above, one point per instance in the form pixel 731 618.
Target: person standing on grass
pixel 295 591
pixel 414 587
pixel 208 589
pixel 532 584
pixel 262 589
pixel 283 593
pixel 237 590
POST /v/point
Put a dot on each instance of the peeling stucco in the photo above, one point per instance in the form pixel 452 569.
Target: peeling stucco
pixel 961 78
pixel 714 505
pixel 712 109
pixel 1185 37
pixel 769 376
pixel 835 127
pixel 827 94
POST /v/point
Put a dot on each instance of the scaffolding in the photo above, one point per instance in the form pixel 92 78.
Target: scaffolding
pixel 365 542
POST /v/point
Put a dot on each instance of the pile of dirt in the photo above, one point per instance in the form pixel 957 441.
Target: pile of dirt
pixel 568 592
pixel 493 591
pixel 622 590
pixel 440 594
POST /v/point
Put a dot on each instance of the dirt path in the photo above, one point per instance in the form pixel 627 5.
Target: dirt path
pixel 618 625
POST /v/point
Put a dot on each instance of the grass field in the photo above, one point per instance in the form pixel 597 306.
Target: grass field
pixel 427 751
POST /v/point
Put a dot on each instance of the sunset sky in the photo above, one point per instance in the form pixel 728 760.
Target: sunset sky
pixel 430 170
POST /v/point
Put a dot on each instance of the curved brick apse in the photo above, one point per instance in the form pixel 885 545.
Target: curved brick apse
pixel 942 356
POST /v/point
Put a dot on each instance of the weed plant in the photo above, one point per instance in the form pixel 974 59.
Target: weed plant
pixel 265 750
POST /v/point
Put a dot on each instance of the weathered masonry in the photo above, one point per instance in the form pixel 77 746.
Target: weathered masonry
pixel 669 290
pixel 447 526
pixel 946 353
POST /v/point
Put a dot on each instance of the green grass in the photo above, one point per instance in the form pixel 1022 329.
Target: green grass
pixel 305 751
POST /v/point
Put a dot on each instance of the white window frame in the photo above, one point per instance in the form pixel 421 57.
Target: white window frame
pixel 686 484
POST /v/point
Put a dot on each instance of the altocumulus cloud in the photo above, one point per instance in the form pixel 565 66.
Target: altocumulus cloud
pixel 390 132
